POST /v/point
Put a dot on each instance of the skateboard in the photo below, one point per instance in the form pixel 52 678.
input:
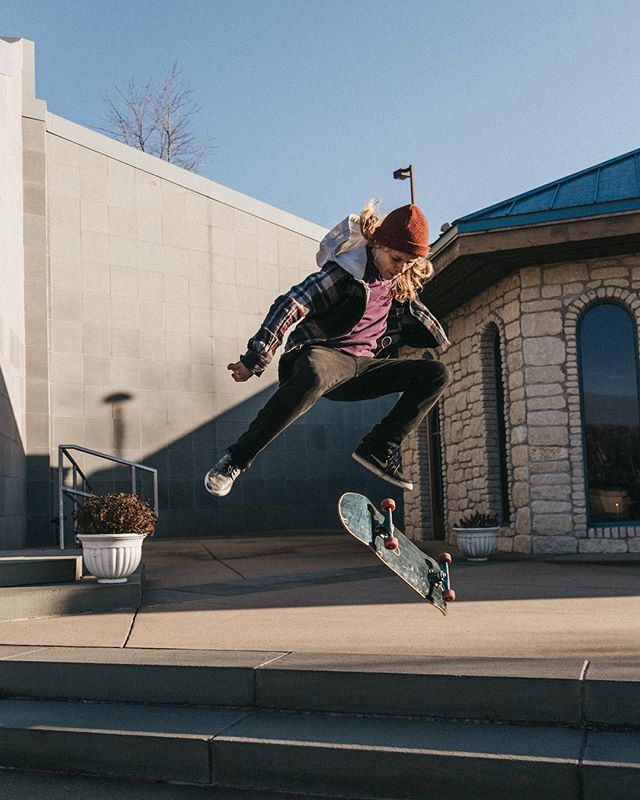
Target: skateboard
pixel 428 577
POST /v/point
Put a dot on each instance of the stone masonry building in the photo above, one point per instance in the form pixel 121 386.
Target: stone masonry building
pixel 541 425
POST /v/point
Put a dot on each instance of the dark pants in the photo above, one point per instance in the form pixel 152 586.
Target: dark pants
pixel 318 371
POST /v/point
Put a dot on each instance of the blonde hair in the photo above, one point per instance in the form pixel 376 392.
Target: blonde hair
pixel 408 284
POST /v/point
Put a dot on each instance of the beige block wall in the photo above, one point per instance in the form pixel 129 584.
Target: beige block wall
pixel 12 321
pixel 154 289
pixel 156 285
pixel 128 286
pixel 133 287
pixel 536 312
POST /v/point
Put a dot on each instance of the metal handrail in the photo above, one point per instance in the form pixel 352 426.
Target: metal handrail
pixel 75 491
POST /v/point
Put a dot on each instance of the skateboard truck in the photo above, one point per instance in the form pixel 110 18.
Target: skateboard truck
pixel 438 578
pixel 441 579
pixel 385 530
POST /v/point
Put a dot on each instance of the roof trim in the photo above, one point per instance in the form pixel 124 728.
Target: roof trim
pixel 500 215
pixel 466 264
pixel 554 215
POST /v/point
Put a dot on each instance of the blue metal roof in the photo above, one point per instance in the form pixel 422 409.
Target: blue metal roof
pixel 607 188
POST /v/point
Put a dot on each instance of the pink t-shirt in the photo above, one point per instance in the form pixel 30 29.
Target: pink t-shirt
pixel 361 340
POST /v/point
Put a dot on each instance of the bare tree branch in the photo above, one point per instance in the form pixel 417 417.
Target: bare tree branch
pixel 158 122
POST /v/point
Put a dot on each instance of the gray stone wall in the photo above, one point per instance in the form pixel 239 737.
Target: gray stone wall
pixel 468 408
pixel 536 312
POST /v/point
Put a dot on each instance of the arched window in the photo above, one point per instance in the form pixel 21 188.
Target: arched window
pixel 434 431
pixel 495 425
pixel 501 433
pixel 608 359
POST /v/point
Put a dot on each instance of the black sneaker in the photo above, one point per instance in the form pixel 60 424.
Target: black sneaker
pixel 221 477
pixel 384 466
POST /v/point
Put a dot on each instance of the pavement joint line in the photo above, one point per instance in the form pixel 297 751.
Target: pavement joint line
pixel 190 591
pixel 214 556
pixel 22 653
pixel 254 672
pixel 274 583
pixel 195 598
pixel 583 691
pixel 210 755
pixel 208 551
pixel 222 731
pixel 271 660
pixel 583 724
pixel 133 622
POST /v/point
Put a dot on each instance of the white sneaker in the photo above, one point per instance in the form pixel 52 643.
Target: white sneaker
pixel 221 477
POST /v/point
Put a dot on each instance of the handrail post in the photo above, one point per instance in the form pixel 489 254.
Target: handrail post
pixel 155 492
pixel 60 498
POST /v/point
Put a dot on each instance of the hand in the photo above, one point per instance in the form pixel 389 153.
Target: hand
pixel 239 371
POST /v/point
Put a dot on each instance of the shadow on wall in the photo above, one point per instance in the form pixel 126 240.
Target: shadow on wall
pixel 12 475
pixel 294 484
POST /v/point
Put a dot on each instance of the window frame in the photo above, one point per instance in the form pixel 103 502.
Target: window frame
pixel 591 523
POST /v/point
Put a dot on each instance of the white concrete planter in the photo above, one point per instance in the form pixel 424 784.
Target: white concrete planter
pixel 112 557
pixel 477 544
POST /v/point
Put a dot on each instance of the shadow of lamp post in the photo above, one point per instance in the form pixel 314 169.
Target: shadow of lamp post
pixel 117 400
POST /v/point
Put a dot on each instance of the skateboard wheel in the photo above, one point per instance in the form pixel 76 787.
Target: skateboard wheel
pixel 449 595
pixel 391 543
pixel 388 503
pixel 446 557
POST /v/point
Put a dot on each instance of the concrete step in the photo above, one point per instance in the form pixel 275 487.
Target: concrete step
pixel 77 597
pixel 128 675
pixel 329 725
pixel 337 755
pixel 35 567
pixel 27 785
pixel 536 691
pixel 151 742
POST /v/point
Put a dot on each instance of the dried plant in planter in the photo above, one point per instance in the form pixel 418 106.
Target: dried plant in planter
pixel 116 513
pixel 478 520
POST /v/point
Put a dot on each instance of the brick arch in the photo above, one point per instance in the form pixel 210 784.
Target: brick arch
pixel 579 305
pixel 492 325
pixel 572 314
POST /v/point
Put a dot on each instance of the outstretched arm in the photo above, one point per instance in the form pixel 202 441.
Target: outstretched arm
pixel 239 372
pixel 316 293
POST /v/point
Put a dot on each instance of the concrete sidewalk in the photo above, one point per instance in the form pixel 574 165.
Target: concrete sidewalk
pixel 324 593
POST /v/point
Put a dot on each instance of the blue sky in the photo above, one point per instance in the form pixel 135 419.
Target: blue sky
pixel 312 104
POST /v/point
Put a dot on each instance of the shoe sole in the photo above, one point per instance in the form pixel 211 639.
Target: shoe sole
pixel 215 494
pixel 376 471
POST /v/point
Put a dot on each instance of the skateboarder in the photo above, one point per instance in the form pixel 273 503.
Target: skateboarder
pixel 353 315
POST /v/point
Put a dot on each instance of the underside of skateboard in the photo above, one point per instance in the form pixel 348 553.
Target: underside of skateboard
pixel 438 572
pixel 429 577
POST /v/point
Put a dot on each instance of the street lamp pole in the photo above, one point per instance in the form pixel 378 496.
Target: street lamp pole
pixel 402 175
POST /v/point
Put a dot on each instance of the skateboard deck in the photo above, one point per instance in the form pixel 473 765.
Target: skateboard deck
pixel 424 574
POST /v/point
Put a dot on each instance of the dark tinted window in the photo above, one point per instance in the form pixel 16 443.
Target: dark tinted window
pixel 611 412
pixel 501 429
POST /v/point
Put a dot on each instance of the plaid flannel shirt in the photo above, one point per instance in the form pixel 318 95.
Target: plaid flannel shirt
pixel 314 296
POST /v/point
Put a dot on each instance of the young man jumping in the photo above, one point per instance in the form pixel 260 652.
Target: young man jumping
pixel 353 314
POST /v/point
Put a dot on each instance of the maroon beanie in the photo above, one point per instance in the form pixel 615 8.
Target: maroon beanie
pixel 405 229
